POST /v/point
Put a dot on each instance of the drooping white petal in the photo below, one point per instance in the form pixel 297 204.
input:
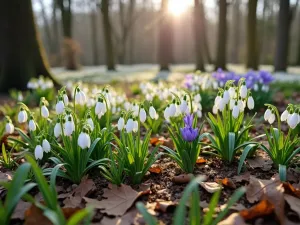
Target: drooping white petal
pixel 9 128
pixel 31 125
pixel 84 140
pixel 121 123
pixel 91 123
pixel 129 125
pixel 293 120
pixel 38 152
pixel 250 103
pixel 284 115
pixel 267 114
pixel 44 111
pixel 60 106
pixel 46 146
pixel 143 115
pixel 22 116
pixel 271 118
pixel 235 111
pixel 57 130
pixel 243 91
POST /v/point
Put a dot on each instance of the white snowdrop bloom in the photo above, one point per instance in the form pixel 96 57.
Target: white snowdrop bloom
pixel 9 128
pixel 284 115
pixel 178 111
pixel 80 97
pixel 38 152
pixel 255 87
pixel 121 123
pixel 84 140
pixel 143 115
pixel 90 122
pixel 44 111
pixel 231 103
pixel 60 107
pixel 226 96
pixel 66 99
pixel 22 116
pixel 100 108
pixel 149 97
pixel 135 126
pixel 197 98
pixel 265 88
pixel 135 109
pixel 129 125
pixel 167 113
pixel 46 146
pixel 271 118
pixel 293 120
pixel 222 104
pixel 20 97
pixel 152 112
pixel 235 111
pixel 31 125
pixel 127 106
pixel 231 92
pixel 172 110
pixel 91 102
pixel 69 127
pixel 199 113
pixel 215 109
pixel 241 105
pixel 218 99
pixel 267 114
pixel 57 130
pixel 243 91
pixel 183 106
pixel 250 102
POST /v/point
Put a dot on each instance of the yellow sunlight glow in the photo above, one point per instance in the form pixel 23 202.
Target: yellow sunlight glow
pixel 177 7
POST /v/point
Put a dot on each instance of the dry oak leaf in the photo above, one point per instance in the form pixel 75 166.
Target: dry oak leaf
pixel 201 160
pixel 182 178
pixel 233 219
pixel 243 177
pixel 263 208
pixel 155 169
pixel 291 190
pixel 293 202
pixel 211 187
pixel 118 200
pixel 260 162
pixel 227 182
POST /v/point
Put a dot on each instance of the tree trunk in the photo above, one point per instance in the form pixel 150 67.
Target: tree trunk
pixel 222 36
pixel 165 38
pixel 56 36
pixel 236 32
pixel 94 36
pixel 198 32
pixel 282 38
pixel 298 54
pixel 46 27
pixel 66 16
pixel 107 31
pixel 252 61
pixel 22 54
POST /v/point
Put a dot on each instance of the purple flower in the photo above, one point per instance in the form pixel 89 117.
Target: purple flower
pixel 188 81
pixel 265 77
pixel 189 134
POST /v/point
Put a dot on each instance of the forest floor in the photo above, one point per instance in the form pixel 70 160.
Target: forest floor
pixel 144 72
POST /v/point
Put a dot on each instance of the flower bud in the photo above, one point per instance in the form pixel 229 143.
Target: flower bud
pixel 84 140
pixel 121 123
pixel 243 91
pixel 46 146
pixel 66 99
pixel 250 102
pixel 44 111
pixel 38 152
pixel 57 130
pixel 32 125
pixel 235 110
pixel 143 115
pixel 9 128
pixel 60 106
pixel 22 116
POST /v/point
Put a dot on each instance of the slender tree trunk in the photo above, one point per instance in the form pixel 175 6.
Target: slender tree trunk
pixel 165 38
pixel 56 36
pixel 94 36
pixel 205 46
pixel 235 50
pixel 66 16
pixel 46 27
pixel 252 61
pixel 298 54
pixel 198 32
pixel 222 36
pixel 282 39
pixel 107 31
pixel 22 54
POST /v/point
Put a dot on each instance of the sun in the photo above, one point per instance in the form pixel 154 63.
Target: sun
pixel 177 7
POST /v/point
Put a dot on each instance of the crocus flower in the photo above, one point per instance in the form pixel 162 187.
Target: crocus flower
pixel 189 134
pixel 188 120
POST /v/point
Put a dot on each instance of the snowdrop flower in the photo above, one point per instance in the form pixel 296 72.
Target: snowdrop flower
pixel 215 109
pixel 241 105
pixel 65 98
pixel 231 103
pixel 80 97
pixel 172 109
pixel 20 96
pixel 84 140
pixel 284 115
pixel 57 129
pixel 135 109
pixel 293 120
pixel 197 98
pixel 199 113
pixel 250 102
pixel 46 146
pixel 121 123
pixel 267 114
pixel 226 96
pixel 69 127
pixel 217 99
pixel 231 91
pixel 22 116
pixel 152 112
pixel 235 110
pixel 38 152
pixel 183 105
pixel 90 122
pixel 60 107
pixel 222 104
pixel 255 87
pixel 143 115
pixel 135 126
pixel 31 125
pixel 44 111
pixel 9 127
pixel 100 108
pixel 167 113
pixel 271 118
pixel 243 91
pixel 129 125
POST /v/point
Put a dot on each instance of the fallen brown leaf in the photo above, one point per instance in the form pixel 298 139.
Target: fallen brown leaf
pixel 233 219
pixel 263 208
pixel 243 177
pixel 129 218
pixel 293 202
pixel 164 206
pixel 7 176
pixel 20 209
pixel 291 190
pixel 211 187
pixel 201 160
pixel 260 162
pixel 227 182
pixel 155 169
pixel 156 141
pixel 182 179
pixel 118 200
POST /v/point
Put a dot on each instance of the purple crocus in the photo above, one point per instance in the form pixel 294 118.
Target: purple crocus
pixel 188 132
